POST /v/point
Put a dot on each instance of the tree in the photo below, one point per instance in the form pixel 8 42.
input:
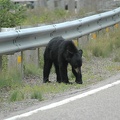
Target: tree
pixel 11 14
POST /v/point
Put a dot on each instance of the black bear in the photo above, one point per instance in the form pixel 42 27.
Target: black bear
pixel 60 52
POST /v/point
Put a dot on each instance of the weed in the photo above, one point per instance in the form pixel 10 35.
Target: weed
pixel 102 46
pixel 117 42
pixel 117 58
pixel 16 96
pixel 10 80
pixel 31 69
pixel 36 94
pixel 38 16
pixel 4 63
pixel 116 55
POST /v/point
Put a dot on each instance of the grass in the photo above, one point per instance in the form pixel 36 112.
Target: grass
pixel 16 95
pixel 10 80
pixel 31 69
pixel 39 92
pixel 103 46
pixel 25 92
pixel 117 56
pixel 36 95
pixel 46 16
pixel 41 16
pixel 112 67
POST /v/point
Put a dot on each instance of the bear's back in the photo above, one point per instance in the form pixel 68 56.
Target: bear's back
pixel 53 47
pixel 54 43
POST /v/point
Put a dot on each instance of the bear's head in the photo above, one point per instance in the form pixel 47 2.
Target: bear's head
pixel 76 60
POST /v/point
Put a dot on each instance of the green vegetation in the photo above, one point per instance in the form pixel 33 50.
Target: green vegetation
pixel 10 80
pixel 31 69
pixel 36 95
pixel 45 16
pixel 117 56
pixel 11 15
pixel 16 96
pixel 42 16
pixel 103 46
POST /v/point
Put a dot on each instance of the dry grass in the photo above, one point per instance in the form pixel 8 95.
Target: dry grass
pixel 103 45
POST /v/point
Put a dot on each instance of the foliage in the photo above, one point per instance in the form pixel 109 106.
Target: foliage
pixel 117 55
pixel 10 80
pixel 4 63
pixel 36 94
pixel 11 14
pixel 38 16
pixel 103 45
pixel 31 69
pixel 16 96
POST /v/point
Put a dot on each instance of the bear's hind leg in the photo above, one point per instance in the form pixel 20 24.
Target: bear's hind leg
pixel 46 70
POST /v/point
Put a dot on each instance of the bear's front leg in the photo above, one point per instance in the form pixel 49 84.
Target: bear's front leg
pixel 78 75
pixel 63 73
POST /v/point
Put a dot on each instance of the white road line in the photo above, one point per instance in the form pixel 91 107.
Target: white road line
pixel 56 104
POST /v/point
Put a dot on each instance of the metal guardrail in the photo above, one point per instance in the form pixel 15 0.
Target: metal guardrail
pixel 24 39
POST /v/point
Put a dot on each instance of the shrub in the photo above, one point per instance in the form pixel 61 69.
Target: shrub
pixel 11 15
pixel 10 80
pixel 36 94
pixel 102 46
pixel 31 69
pixel 117 42
pixel 117 56
pixel 16 96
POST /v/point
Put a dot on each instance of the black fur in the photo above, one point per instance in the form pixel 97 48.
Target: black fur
pixel 60 52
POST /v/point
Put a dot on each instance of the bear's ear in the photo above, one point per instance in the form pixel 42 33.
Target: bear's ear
pixel 81 52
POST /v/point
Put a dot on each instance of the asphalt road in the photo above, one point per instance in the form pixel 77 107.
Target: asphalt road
pixel 101 105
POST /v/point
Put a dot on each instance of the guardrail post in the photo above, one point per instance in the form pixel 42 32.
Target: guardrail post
pixel 0 63
pixel 115 27
pixel 107 31
pixel 38 58
pixel 22 65
pixel 32 57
